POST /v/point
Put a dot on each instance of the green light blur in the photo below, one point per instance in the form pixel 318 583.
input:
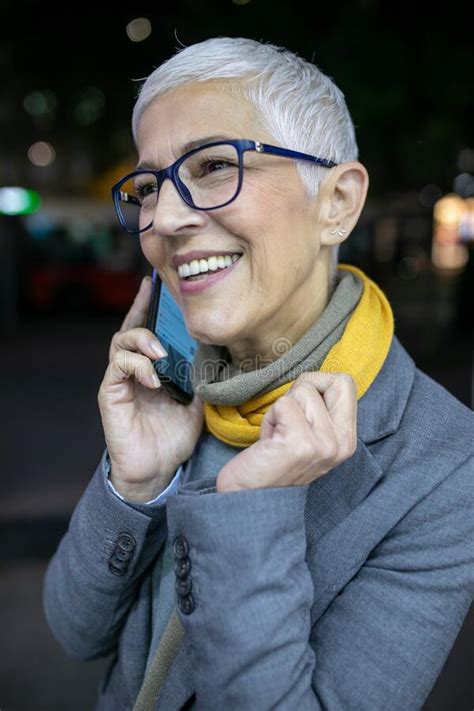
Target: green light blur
pixel 19 201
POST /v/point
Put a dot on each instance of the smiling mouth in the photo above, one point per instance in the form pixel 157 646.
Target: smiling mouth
pixel 200 269
pixel 208 280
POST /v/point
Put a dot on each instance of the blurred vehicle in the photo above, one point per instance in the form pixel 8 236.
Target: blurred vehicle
pixel 79 288
pixel 72 264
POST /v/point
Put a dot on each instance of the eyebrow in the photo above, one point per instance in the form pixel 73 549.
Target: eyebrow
pixel 189 146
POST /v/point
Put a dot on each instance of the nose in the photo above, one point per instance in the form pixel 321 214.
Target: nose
pixel 172 215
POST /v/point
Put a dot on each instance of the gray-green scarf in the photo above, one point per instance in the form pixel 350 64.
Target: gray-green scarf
pixel 217 381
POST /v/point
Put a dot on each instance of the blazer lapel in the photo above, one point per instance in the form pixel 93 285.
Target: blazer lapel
pixel 333 496
pixel 332 521
pixel 336 525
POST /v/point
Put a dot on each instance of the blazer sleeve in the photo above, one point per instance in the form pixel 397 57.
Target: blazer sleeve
pixel 93 578
pixel 382 641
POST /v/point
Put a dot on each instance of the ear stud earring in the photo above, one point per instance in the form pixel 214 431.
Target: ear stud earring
pixel 340 232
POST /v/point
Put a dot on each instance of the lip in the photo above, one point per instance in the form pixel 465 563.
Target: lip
pixel 195 287
pixel 179 259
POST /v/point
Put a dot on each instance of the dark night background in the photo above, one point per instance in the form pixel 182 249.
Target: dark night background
pixel 68 274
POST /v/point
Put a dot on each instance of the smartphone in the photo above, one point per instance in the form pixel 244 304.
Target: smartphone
pixel 166 321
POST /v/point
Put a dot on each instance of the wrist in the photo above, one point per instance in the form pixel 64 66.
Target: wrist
pixel 138 492
pixel 225 484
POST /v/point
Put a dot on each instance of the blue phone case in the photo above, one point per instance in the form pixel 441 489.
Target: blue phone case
pixel 166 321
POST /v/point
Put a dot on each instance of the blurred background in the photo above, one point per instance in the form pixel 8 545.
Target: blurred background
pixel 68 274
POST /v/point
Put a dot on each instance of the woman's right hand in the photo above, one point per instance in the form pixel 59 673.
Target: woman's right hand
pixel 148 434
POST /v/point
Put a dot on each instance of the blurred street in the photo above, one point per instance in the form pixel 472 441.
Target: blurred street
pixel 52 434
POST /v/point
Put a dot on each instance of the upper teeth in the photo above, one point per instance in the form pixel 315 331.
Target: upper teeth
pixel 199 266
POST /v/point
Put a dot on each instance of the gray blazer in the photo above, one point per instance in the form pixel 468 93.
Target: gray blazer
pixel 345 594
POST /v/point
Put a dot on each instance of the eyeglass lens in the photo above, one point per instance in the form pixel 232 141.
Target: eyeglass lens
pixel 210 175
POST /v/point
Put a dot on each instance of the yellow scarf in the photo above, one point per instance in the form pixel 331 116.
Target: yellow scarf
pixel 361 352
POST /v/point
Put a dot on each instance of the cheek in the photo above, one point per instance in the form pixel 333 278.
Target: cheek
pixel 152 249
pixel 257 217
pixel 145 244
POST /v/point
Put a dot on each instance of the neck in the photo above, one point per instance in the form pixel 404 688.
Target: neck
pixel 286 327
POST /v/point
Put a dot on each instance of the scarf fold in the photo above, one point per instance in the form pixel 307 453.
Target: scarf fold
pixel 356 344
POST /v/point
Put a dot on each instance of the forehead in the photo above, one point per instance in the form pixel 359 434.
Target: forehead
pixel 190 113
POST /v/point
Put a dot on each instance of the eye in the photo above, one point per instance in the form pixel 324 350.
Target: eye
pixel 145 187
pixel 211 165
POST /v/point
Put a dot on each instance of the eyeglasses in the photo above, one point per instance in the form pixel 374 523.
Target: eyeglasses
pixel 207 178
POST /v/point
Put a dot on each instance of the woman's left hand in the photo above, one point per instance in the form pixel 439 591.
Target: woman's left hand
pixel 306 433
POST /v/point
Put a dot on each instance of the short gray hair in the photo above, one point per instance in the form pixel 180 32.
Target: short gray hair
pixel 301 107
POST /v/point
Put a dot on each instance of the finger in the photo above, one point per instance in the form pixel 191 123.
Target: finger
pixel 125 365
pixel 287 425
pixel 339 392
pixel 137 313
pixel 341 401
pixel 140 340
pixel 285 419
pixel 333 412
pixel 323 433
pixel 312 404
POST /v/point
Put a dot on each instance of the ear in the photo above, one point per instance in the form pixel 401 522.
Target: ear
pixel 341 198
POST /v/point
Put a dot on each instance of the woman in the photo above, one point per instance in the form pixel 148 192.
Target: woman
pixel 298 537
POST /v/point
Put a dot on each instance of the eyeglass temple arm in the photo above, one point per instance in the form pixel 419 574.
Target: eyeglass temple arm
pixel 287 153
pixel 126 197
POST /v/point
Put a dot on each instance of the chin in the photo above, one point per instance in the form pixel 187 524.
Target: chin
pixel 210 336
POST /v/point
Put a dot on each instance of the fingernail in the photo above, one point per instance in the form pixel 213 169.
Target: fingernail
pixel 159 350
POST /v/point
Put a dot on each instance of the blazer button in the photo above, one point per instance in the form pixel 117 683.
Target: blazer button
pixel 117 561
pixel 180 547
pixel 183 587
pixel 186 604
pixel 126 542
pixel 121 554
pixel 117 567
pixel 182 567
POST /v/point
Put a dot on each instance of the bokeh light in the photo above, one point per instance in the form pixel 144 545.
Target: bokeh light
pixel 40 103
pixel 448 210
pixel 18 201
pixel 90 106
pixel 138 29
pixel 41 154
pixel 449 214
pixel 464 185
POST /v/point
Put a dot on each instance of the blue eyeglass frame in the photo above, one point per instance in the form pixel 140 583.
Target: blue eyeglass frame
pixel 171 172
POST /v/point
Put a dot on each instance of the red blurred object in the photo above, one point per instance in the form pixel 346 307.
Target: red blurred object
pixel 78 287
